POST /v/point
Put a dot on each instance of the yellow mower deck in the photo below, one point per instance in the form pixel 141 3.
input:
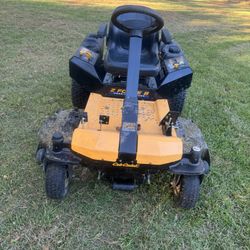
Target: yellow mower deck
pixel 101 142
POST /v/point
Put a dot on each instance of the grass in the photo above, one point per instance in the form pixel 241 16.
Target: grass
pixel 37 39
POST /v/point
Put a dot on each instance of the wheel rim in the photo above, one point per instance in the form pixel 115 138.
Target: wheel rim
pixel 176 184
pixel 66 183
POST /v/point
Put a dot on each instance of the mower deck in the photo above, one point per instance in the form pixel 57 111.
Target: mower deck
pixel 101 141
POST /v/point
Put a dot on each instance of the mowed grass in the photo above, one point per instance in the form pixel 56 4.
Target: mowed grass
pixel 36 40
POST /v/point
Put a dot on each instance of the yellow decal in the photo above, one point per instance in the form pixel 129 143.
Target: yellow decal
pixel 123 91
pixel 116 164
pixel 176 65
pixel 85 52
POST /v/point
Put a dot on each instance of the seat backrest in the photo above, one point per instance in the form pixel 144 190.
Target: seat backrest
pixel 116 58
pixel 121 39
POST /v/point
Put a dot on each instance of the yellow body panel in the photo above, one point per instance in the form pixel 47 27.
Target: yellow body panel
pixel 101 142
pixel 158 150
pixel 95 144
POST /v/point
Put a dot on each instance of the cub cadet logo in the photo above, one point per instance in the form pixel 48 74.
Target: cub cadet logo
pixel 116 164
pixel 117 91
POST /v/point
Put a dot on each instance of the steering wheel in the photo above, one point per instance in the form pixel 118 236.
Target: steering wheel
pixel 131 18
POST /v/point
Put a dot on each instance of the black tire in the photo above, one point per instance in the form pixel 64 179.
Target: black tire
pixel 189 191
pixel 56 181
pixel 177 102
pixel 79 95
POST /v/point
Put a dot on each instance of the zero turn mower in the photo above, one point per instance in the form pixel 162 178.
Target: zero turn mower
pixel 129 83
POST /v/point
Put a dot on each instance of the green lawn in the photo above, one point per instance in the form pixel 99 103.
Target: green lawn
pixel 36 40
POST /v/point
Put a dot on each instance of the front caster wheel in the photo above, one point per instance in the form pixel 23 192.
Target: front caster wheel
pixel 56 181
pixel 186 190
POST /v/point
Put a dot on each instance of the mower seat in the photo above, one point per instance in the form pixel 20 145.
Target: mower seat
pixel 116 58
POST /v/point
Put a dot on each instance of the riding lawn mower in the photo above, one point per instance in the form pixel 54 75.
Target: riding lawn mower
pixel 129 83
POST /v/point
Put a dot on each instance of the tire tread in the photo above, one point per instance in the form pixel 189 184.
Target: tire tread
pixel 55 181
pixel 79 95
pixel 177 102
pixel 190 190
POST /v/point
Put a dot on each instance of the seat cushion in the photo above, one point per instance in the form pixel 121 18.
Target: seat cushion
pixel 116 58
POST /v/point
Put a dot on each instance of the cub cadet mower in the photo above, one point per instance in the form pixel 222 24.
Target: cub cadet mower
pixel 127 101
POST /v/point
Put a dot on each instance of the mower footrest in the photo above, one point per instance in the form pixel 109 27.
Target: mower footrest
pixel 124 185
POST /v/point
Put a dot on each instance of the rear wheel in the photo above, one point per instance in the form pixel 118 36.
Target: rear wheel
pixel 177 102
pixel 79 95
pixel 56 181
pixel 186 190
